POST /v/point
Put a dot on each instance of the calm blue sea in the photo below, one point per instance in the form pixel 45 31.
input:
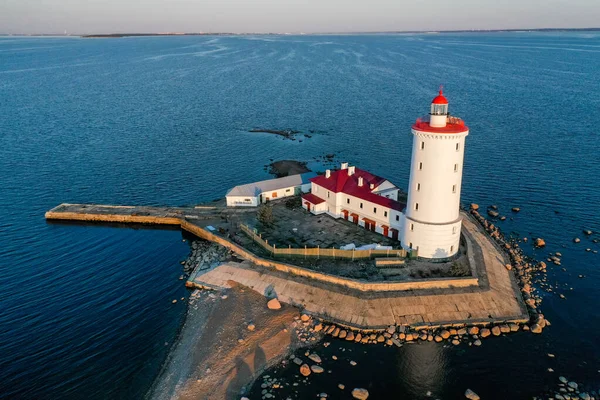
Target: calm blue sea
pixel 86 312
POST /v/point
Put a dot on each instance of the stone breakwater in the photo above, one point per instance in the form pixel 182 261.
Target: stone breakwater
pixel 204 255
pixel 571 390
pixel 524 268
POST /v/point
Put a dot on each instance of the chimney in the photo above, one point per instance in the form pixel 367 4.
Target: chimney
pixel 360 181
pixel 327 173
pixel 351 171
pixel 371 186
pixel 344 165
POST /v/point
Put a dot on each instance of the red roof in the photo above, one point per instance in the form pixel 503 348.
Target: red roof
pixel 453 125
pixel 313 199
pixel 440 99
pixel 340 181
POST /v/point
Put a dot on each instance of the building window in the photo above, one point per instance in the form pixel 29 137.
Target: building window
pixel 422 145
pixel 455 167
pixel 385 213
pixel 360 205
pixel 451 249
pixel 397 218
pixel 418 187
pixel 453 230
pixel 453 188
pixel 328 193
pixel 420 166
pixel 457 146
pixel 410 245
pixel 374 210
pixel 347 201
pixel 412 227
pixel 416 206
pixel 288 190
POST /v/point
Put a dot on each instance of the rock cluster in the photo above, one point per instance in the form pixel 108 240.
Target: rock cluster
pixel 399 335
pixel 525 270
pixel 570 390
pixel 204 255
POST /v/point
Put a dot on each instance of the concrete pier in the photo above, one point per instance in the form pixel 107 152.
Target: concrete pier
pixel 490 295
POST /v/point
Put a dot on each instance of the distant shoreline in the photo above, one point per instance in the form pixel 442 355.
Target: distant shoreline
pixel 142 34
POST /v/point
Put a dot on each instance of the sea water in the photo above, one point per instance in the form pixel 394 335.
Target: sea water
pixel 86 311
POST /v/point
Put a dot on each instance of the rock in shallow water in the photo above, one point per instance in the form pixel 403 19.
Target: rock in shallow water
pixel 305 370
pixel 360 393
pixel 471 395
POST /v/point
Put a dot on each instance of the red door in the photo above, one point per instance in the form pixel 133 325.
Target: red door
pixel 386 231
pixel 395 234
pixel 345 214
pixel 307 206
pixel 355 219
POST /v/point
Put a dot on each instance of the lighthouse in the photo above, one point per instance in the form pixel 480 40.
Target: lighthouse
pixel 432 220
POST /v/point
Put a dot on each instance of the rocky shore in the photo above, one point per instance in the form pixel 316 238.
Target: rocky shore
pixel 525 269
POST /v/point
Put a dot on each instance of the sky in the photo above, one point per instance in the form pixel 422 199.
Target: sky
pixel 294 16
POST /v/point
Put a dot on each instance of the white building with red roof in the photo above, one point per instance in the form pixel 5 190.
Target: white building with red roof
pixel 357 196
pixel 430 221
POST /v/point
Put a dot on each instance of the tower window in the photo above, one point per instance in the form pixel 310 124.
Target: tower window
pixel 451 249
pixel 328 194
pixel 453 188
pixel 420 166
pixel 410 245
pixel 453 230
pixel 457 146
pixel 385 213
pixel 422 145
pixel 397 218
pixel 412 227
pixel 455 167
pixel 374 210
pixel 416 206
pixel 418 187
pixel 347 201
pixel 360 205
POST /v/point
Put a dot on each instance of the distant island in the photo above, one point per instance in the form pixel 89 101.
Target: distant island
pixel 142 34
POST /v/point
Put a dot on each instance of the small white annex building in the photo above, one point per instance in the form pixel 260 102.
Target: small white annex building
pixel 430 220
pixel 253 194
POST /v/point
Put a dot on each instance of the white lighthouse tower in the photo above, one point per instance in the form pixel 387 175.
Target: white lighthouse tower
pixel 432 219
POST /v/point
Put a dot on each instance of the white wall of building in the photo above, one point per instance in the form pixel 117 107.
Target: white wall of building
pixel 242 201
pixel 434 194
pixel 335 203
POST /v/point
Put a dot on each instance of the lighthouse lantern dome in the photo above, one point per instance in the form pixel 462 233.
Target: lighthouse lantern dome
pixel 439 105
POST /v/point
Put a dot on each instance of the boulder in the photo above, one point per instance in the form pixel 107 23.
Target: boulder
pixel 297 361
pixel 496 331
pixel 493 213
pixel 358 337
pixel 438 338
pixel 473 330
pixel 513 327
pixel 471 395
pixel 304 318
pixel 485 332
pixel 314 357
pixel 539 242
pixel 380 339
pixel 391 329
pixel 343 334
pixel 336 332
pixel 445 334
pixel 305 370
pixel 587 232
pixel 318 327
pixel 515 209
pixel 350 336
pixel 536 328
pixel 477 342
pixel 360 393
pixel 251 327
pixel 576 240
pixel 504 328
pixel 474 206
pixel 317 369
pixel 273 304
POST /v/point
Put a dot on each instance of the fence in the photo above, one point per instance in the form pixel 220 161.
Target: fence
pixel 321 252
